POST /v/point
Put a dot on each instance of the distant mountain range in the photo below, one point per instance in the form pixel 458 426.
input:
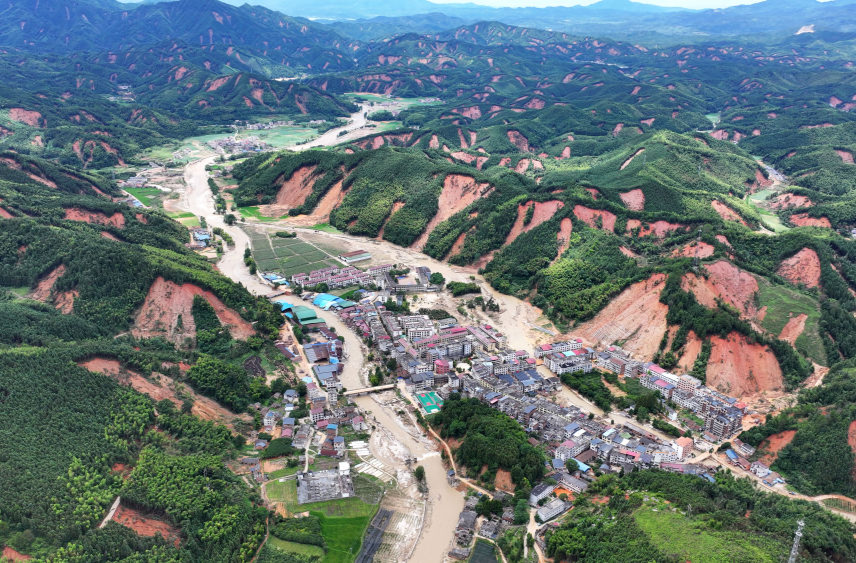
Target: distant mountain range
pixel 621 19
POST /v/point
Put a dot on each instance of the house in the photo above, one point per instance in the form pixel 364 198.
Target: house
pixel 466 527
pixel 422 381
pixel 539 492
pixel 355 256
pixel 260 444
pixel 552 509
pixel 491 528
pixel 339 445
pixel 269 419
pixel 570 448
pixel 572 483
pixel 742 448
pixel 316 414
pixel 759 469
pixel 358 423
pixel 684 447
pixel 441 367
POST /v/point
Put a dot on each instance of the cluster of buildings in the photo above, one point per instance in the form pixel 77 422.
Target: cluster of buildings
pixel 236 145
pixel 269 125
pixel 737 455
pixel 335 277
pixel 722 415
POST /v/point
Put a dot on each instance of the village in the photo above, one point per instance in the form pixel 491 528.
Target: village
pixel 430 357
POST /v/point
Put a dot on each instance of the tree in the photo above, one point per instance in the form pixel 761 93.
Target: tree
pixel 521 512
pixel 437 279
pixel 230 219
pixel 419 473
pixel 571 465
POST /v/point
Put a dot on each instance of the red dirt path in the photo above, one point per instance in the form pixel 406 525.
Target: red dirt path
pixel 629 160
pixel 31 118
pixel 846 156
pixel 803 220
pixel 851 439
pixel 726 212
pixel 12 555
pixel 793 328
pixel 658 228
pixel 44 287
pixel 727 282
pixel 789 201
pixel 94 217
pixel 691 351
pixel 564 235
pixel 160 387
pixel 636 314
pixel 292 192
pixel 694 250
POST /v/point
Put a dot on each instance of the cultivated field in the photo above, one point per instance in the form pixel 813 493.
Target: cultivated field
pixel 288 256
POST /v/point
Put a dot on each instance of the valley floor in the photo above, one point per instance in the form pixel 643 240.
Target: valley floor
pixel 397 439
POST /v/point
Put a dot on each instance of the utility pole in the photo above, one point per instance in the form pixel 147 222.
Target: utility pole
pixel 796 547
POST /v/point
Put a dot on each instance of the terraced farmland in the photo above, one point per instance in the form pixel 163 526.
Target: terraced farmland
pixel 288 256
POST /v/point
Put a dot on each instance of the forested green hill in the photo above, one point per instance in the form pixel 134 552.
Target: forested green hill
pixel 74 269
pixel 658 516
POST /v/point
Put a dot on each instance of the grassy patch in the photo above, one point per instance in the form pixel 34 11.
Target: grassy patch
pixel 284 492
pixel 839 504
pixel 285 472
pixel 344 535
pixel 294 547
pixel 483 552
pixel 783 303
pixel 770 219
pixel 326 227
pixel 253 212
pixel 147 196
pixel 288 256
pixel 343 521
pixel 694 540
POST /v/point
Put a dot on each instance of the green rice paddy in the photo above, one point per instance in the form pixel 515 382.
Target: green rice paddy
pixel 288 256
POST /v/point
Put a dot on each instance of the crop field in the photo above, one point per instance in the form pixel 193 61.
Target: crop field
pixel 483 552
pixel 343 521
pixel 288 256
